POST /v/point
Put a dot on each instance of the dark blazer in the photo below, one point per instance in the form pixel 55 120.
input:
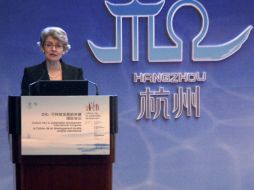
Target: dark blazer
pixel 40 72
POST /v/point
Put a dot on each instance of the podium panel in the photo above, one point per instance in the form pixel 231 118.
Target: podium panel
pixel 63 172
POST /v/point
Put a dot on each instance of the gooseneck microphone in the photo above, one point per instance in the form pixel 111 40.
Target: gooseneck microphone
pixel 95 85
pixel 41 77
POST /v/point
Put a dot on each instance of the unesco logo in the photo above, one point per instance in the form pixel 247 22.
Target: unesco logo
pixel 136 10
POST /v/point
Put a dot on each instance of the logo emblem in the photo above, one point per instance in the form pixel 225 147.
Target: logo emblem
pixel 136 10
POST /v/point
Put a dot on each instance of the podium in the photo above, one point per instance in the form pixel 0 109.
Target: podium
pixel 60 172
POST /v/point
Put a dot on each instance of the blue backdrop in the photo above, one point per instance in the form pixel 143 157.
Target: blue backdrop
pixel 212 152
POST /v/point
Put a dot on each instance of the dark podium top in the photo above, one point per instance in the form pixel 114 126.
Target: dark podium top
pixel 57 88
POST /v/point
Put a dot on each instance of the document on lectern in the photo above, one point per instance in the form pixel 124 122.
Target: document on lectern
pixel 65 125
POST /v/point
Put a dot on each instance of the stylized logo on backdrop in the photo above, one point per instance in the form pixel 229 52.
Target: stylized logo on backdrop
pixel 151 102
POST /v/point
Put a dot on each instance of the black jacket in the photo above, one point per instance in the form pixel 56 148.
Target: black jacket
pixel 40 72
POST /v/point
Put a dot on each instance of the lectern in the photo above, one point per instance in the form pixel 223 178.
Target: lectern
pixel 60 172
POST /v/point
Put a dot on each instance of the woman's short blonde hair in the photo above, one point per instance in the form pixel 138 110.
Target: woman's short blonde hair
pixel 57 33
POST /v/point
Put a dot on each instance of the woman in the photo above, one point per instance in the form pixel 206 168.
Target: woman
pixel 54 44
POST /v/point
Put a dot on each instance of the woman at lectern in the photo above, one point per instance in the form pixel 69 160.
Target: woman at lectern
pixel 54 44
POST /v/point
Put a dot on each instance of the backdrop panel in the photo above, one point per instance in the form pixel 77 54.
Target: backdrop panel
pixel 213 150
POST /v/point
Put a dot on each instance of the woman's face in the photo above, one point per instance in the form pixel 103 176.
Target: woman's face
pixel 53 49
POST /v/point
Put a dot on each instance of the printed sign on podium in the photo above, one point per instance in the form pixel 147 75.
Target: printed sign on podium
pixel 65 125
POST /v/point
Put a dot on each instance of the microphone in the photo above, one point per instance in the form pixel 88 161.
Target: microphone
pixel 96 87
pixel 31 84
